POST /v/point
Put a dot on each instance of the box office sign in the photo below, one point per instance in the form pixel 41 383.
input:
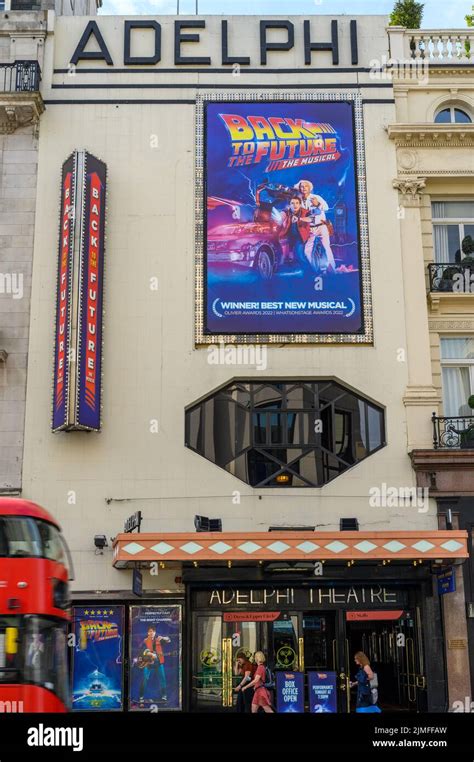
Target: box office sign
pixel 322 692
pixel 79 300
pixel 282 219
pixel 289 692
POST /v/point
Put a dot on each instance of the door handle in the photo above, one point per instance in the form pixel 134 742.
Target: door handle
pixel 301 654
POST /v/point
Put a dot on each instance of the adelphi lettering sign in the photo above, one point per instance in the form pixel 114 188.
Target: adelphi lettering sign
pixel 310 597
pixel 193 42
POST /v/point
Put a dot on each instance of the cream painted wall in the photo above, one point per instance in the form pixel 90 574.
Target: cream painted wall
pixel 152 369
pixel 424 102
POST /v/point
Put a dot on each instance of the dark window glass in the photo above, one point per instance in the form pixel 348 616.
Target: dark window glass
pixel 452 115
pixel 44 655
pixel 20 537
pixel 461 117
pixel 375 429
pixel 443 117
pixel 33 650
pixel 51 542
pixel 285 434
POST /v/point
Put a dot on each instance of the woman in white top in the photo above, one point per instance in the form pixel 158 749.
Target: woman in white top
pixel 318 208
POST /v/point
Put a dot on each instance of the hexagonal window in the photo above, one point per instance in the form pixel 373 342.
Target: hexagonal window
pixel 285 433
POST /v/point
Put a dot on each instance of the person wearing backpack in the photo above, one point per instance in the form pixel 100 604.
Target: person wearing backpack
pixel 365 678
pixel 261 696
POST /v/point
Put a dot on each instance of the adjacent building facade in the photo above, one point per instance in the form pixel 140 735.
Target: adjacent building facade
pixel 433 138
pixel 23 27
pixel 233 315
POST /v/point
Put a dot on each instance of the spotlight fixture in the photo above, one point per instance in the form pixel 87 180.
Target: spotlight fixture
pixel 203 524
pixel 100 541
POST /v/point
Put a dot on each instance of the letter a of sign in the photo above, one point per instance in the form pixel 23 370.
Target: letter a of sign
pixel 77 385
pixel 92 30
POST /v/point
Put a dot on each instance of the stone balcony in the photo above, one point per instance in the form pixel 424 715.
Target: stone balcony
pixel 21 103
pixel 436 47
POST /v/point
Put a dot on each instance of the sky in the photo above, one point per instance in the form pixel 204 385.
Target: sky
pixel 439 14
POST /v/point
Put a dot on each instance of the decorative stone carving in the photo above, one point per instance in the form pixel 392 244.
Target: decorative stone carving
pixel 451 325
pixel 410 187
pixel 426 135
pixel 421 395
pixel 19 110
pixel 408 160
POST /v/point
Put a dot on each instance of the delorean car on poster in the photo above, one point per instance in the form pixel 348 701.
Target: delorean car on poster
pixel 282 250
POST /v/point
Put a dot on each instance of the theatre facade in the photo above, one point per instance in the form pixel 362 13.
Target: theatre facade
pixel 223 382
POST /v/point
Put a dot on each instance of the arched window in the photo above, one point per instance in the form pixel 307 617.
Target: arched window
pixel 452 115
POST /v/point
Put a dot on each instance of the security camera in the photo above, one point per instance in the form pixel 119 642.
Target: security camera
pixel 100 541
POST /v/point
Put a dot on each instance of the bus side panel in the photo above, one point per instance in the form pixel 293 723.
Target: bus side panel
pixel 26 586
pixel 28 698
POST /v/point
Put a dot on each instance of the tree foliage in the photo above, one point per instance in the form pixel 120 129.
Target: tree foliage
pixel 407 13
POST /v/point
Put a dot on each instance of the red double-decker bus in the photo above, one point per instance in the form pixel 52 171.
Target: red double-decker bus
pixel 35 567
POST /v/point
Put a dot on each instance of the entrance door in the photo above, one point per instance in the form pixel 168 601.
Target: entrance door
pixel 215 647
pixel 395 651
pixel 411 662
pixel 207 663
pixel 320 645
pixel 294 641
pixel 238 638
pixel 324 650
pixel 282 644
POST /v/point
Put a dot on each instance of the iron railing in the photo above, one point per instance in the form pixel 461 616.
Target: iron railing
pixel 453 432
pixel 455 277
pixel 20 77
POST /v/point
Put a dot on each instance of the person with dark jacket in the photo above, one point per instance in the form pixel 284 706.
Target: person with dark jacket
pixel 364 690
pixel 295 228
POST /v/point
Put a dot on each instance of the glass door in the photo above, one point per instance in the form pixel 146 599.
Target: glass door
pixel 215 647
pixel 412 679
pixel 238 638
pixel 325 650
pixel 282 645
pixel 395 651
pixel 207 663
pixel 319 633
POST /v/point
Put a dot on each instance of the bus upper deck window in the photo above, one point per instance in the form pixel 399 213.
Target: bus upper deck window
pixel 51 542
pixel 23 537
